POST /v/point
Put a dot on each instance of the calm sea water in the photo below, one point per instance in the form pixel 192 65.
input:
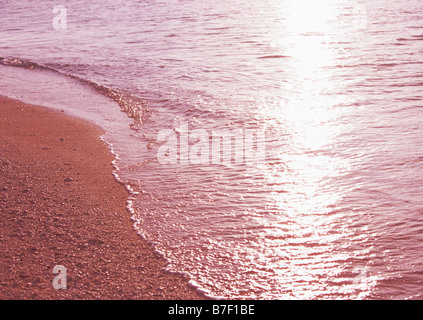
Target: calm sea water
pixel 336 208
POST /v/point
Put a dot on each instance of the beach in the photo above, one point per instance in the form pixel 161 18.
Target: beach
pixel 261 149
pixel 61 206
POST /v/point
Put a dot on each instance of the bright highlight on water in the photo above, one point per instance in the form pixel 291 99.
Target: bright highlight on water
pixel 316 188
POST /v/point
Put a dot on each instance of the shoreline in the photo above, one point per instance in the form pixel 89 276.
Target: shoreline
pixel 61 205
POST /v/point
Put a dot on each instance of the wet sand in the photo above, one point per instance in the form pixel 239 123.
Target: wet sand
pixel 60 205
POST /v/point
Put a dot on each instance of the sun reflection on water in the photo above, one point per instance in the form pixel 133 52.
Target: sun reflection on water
pixel 305 189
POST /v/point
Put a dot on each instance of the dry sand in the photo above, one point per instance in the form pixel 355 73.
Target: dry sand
pixel 60 205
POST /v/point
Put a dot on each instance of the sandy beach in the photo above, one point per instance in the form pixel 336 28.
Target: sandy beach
pixel 60 205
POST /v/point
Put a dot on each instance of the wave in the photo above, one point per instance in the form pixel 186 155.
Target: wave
pixel 135 107
pixel 274 57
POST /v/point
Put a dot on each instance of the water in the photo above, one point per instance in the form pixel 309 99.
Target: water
pixel 335 209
